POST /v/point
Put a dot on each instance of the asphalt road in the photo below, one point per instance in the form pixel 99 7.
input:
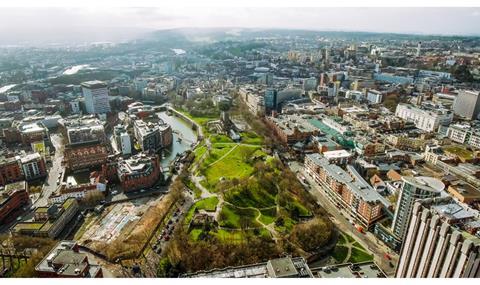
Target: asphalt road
pixel 53 174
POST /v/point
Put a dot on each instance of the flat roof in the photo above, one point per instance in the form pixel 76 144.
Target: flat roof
pixel 94 84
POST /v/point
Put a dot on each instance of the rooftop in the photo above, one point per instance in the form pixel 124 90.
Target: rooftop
pixel 94 84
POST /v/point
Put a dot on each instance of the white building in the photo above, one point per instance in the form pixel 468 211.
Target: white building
pixel 464 134
pixel 96 97
pixel 374 96
pixel 427 118
pixel 125 144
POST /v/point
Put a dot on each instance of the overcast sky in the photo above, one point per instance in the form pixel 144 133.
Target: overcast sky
pixel 93 24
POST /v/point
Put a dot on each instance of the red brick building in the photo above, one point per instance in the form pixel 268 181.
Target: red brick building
pixel 85 155
pixel 139 172
pixel 10 170
pixel 12 197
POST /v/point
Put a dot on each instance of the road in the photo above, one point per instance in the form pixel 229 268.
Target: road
pixel 368 240
pixel 50 185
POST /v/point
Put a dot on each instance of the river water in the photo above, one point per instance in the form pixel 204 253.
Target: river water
pixel 180 129
pixel 74 69
pixel 6 88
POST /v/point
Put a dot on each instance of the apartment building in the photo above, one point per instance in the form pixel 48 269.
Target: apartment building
pixel 347 190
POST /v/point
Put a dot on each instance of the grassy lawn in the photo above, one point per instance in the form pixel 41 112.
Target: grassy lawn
pixel 268 216
pixel 359 256
pixel 251 138
pixel 195 233
pixel 230 166
pixel 340 253
pixel 217 152
pixel 254 195
pixel 199 151
pixel 233 218
pixel 220 139
pixel 460 151
pixel 207 204
pixel 229 236
pixel 350 239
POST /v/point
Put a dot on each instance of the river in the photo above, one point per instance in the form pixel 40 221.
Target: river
pixel 179 128
pixel 5 88
pixel 74 69
pixel 178 51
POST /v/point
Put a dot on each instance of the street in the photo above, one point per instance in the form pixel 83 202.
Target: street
pixel 53 174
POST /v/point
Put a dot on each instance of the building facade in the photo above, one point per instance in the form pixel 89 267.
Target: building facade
pixel 442 241
pixel 347 189
pixel 12 197
pixel 427 119
pixel 95 94
pixel 467 104
pixel 413 188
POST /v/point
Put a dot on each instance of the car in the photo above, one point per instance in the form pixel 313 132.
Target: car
pixel 114 192
pixel 158 250
pixel 166 238
pixel 142 191
pixel 154 247
pixel 103 202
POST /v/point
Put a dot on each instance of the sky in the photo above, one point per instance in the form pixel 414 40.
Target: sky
pixel 63 24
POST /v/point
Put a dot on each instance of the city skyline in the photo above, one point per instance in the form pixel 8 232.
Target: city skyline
pixel 81 24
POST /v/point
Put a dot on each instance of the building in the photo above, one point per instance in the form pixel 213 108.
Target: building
pixel 12 197
pixel 347 190
pixel 48 221
pixel 464 134
pixel 33 132
pixel 366 269
pixel 139 172
pixel 85 155
pixel 467 104
pixel 413 188
pixel 255 102
pixel 123 140
pixel 95 94
pixel 339 157
pixel 10 170
pixel 285 267
pixel 442 241
pixel 91 132
pixel 77 188
pixel 463 192
pixel 426 117
pixel 270 99
pixel 152 136
pixel 291 128
pixel 66 261
pixel 374 96
pixel 33 166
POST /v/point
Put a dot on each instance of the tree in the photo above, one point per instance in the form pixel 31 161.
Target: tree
pixel 312 234
pixel 462 73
